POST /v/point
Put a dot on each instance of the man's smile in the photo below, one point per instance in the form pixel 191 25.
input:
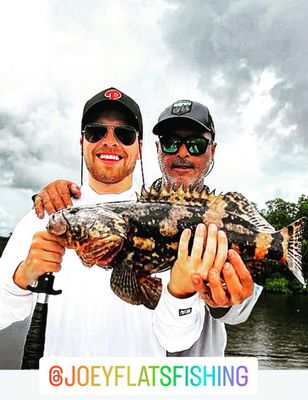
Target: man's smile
pixel 109 158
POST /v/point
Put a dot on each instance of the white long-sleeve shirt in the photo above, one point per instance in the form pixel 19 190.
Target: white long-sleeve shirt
pixel 88 319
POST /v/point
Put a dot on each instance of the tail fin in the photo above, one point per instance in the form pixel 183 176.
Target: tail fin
pixel 295 233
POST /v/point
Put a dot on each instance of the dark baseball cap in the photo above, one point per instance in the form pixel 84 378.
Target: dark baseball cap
pixel 115 96
pixel 185 109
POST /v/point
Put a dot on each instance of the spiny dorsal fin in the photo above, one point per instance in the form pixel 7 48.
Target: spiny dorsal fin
pixel 179 196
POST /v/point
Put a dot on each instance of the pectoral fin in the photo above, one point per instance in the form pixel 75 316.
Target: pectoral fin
pixel 135 289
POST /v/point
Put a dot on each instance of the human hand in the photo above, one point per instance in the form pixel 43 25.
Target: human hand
pixel 209 250
pixel 45 255
pixel 55 196
pixel 236 286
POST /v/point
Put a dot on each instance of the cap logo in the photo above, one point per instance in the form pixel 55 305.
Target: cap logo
pixel 113 94
pixel 181 107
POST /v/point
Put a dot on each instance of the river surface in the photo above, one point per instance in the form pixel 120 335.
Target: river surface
pixel 276 333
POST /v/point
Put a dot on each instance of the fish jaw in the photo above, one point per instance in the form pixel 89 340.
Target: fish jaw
pixel 57 224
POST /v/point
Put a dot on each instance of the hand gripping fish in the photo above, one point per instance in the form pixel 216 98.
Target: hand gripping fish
pixel 140 239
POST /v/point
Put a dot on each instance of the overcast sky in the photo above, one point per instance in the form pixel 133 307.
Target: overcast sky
pixel 246 60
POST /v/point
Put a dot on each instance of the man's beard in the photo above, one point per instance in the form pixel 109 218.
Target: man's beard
pixel 111 176
pixel 175 183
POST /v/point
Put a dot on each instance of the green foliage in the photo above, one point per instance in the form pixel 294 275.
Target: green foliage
pixel 280 213
pixel 277 284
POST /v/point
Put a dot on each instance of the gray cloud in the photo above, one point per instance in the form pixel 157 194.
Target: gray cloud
pixel 62 53
pixel 35 146
pixel 238 40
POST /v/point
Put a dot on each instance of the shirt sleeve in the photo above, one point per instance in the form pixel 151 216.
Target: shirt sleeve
pixel 178 323
pixel 15 303
pixel 239 313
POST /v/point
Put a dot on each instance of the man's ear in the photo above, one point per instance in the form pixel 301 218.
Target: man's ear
pixel 213 149
pixel 157 145
pixel 81 141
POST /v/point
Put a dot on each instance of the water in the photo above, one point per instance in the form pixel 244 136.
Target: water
pixel 276 333
pixel 12 343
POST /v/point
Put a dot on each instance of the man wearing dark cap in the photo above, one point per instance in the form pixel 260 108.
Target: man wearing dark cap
pixel 186 155
pixel 87 318
pixel 189 123
pixel 186 151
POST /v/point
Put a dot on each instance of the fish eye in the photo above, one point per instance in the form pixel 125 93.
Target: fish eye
pixel 74 210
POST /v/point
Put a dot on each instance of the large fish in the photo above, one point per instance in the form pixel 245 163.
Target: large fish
pixel 140 239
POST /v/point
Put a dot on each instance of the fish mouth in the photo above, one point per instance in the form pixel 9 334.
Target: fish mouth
pixel 57 224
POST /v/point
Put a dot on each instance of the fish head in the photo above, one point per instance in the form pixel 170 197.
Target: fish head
pixel 71 225
pixel 57 224
pixel 95 232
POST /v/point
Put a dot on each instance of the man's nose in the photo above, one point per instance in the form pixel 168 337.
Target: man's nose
pixel 183 152
pixel 110 139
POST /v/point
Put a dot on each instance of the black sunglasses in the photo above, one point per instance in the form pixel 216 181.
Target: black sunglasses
pixel 195 145
pixel 125 134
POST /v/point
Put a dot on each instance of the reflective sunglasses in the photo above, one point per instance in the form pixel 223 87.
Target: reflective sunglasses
pixel 125 134
pixel 195 145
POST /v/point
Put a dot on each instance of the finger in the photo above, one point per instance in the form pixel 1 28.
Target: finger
pixel 54 193
pixel 41 267
pixel 65 194
pixel 45 235
pixel 52 256
pixel 242 272
pixel 198 244
pixel 210 249
pixel 52 267
pixel 38 249
pixel 219 295
pixel 47 256
pixel 39 207
pixel 233 284
pixel 75 190
pixel 47 241
pixel 183 244
pixel 48 205
pixel 222 251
